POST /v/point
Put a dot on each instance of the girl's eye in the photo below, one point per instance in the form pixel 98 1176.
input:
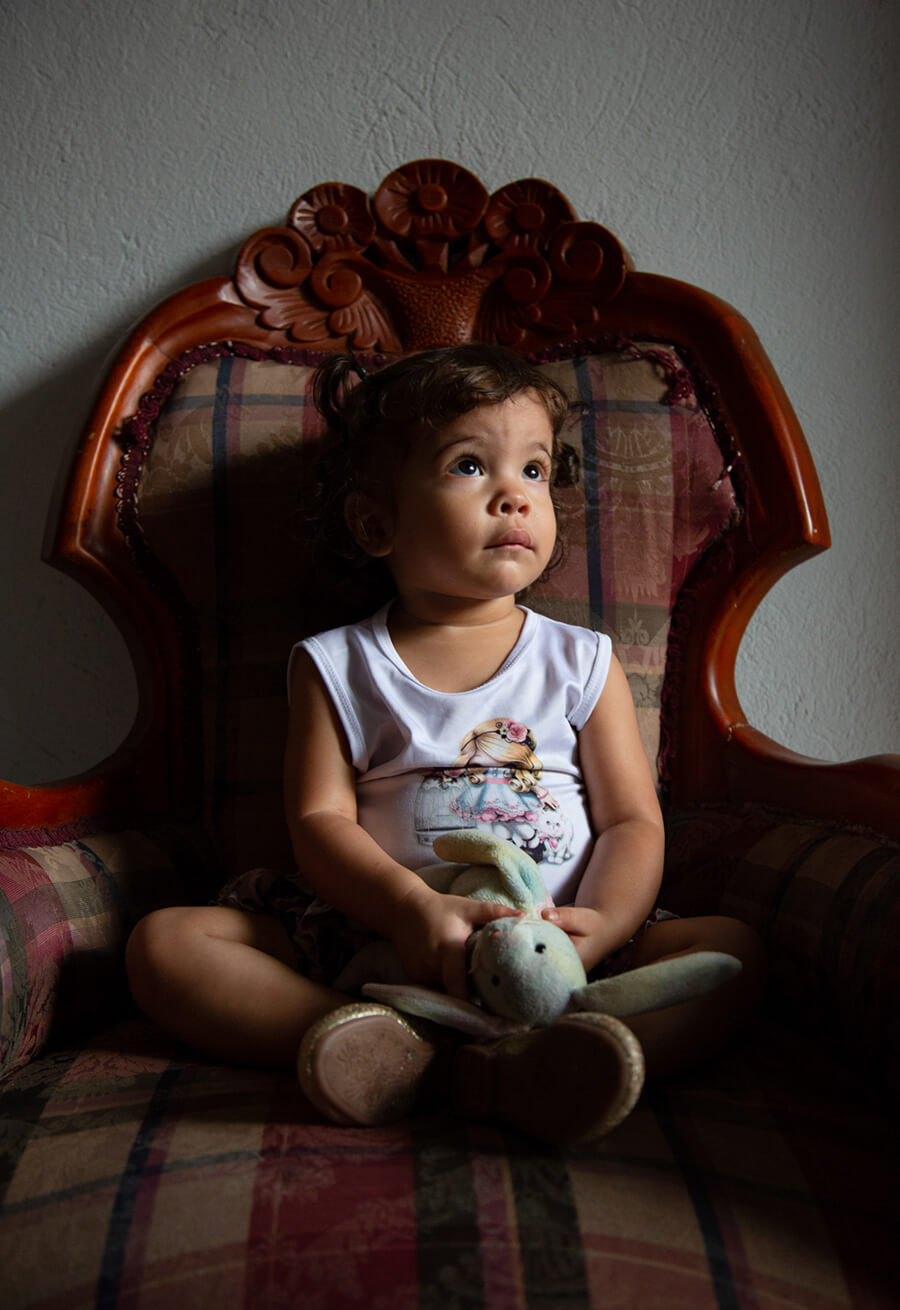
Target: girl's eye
pixel 466 467
pixel 534 472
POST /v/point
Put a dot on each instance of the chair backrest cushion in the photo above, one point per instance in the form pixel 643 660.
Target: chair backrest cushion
pixel 210 494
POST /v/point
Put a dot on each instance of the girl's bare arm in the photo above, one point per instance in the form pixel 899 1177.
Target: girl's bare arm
pixel 620 883
pixel 347 867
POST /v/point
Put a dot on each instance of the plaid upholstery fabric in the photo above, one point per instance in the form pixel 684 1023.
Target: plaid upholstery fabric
pixel 66 910
pixel 132 1176
pixel 826 900
pixel 217 503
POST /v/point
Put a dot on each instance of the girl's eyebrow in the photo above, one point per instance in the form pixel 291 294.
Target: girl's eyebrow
pixel 479 439
pixel 468 440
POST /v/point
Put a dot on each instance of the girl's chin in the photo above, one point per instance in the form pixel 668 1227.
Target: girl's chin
pixel 505 579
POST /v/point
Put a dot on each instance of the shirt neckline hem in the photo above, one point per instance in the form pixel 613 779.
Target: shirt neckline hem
pixel 389 650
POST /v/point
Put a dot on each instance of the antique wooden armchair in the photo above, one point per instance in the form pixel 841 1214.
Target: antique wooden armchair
pixel 699 493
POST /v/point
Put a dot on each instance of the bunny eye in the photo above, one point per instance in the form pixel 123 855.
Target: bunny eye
pixel 540 948
pixel 495 981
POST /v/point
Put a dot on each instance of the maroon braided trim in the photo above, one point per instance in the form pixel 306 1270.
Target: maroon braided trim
pixel 686 380
pixel 680 380
pixel 15 839
pixel 681 386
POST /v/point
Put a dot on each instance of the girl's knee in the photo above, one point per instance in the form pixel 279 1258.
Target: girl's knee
pixel 159 926
pixel 734 937
pixel 157 941
pixel 706 933
pixel 737 938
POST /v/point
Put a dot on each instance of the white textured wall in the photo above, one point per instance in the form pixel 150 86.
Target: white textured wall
pixel 750 148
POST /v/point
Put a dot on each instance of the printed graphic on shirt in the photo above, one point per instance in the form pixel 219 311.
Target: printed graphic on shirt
pixel 495 784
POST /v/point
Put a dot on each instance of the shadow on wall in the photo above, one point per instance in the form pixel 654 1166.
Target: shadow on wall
pixel 67 690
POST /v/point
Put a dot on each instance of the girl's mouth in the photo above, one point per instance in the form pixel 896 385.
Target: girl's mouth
pixel 515 537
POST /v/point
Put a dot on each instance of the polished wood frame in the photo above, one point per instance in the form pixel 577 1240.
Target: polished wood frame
pixel 432 258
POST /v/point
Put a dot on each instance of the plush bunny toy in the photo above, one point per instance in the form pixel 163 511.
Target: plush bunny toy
pixel 524 971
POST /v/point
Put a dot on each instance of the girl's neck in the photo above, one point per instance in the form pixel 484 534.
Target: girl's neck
pixel 457 648
pixel 409 613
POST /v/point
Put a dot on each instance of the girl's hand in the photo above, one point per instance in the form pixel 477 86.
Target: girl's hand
pixel 431 932
pixel 593 935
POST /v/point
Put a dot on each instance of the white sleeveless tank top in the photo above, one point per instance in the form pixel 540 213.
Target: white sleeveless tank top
pixel 503 756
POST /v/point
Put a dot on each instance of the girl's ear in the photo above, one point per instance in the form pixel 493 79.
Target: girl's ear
pixel 369 522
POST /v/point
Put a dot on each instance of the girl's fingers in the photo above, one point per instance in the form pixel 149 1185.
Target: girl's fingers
pixel 571 918
pixel 485 911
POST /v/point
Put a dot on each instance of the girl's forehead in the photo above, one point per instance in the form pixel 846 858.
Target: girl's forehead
pixel 520 424
pixel 521 415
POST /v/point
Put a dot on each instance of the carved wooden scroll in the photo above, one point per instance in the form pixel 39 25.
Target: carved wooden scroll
pixel 431 259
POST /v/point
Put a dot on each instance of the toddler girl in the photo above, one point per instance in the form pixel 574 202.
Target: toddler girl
pixel 452 706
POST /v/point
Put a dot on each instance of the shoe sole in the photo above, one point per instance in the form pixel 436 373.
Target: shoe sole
pixel 364 1064
pixel 573 1081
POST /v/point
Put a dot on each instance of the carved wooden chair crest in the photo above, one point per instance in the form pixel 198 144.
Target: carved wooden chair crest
pixel 431 260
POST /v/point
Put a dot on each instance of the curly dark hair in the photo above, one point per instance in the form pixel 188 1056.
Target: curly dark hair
pixel 372 415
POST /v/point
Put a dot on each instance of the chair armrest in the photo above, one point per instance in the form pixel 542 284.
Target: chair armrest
pixel 68 902
pixel 825 898
pixel 72 802
pixel 864 792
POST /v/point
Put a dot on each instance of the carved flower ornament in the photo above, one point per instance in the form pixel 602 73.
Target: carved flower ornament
pixel 525 214
pixel 431 198
pixel 334 217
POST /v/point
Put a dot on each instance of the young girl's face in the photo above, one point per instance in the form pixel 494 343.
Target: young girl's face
pixel 470 516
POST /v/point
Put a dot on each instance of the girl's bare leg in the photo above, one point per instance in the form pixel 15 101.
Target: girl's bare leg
pixel 684 1035
pixel 225 981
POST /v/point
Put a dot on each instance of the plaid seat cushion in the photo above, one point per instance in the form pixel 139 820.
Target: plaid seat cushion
pixel 209 500
pixel 825 899
pixel 66 909
pixel 132 1175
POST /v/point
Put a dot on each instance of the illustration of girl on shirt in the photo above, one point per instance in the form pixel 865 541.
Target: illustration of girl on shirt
pixel 495 783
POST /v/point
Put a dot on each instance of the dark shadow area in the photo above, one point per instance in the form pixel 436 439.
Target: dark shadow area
pixel 67 690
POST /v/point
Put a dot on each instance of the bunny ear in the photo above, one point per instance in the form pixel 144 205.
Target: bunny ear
pixel 656 986
pixel 440 1008
pixel 520 876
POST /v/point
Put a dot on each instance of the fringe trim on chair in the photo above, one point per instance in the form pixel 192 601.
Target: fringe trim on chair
pixel 17 839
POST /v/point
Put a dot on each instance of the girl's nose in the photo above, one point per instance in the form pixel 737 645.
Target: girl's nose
pixel 509 500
